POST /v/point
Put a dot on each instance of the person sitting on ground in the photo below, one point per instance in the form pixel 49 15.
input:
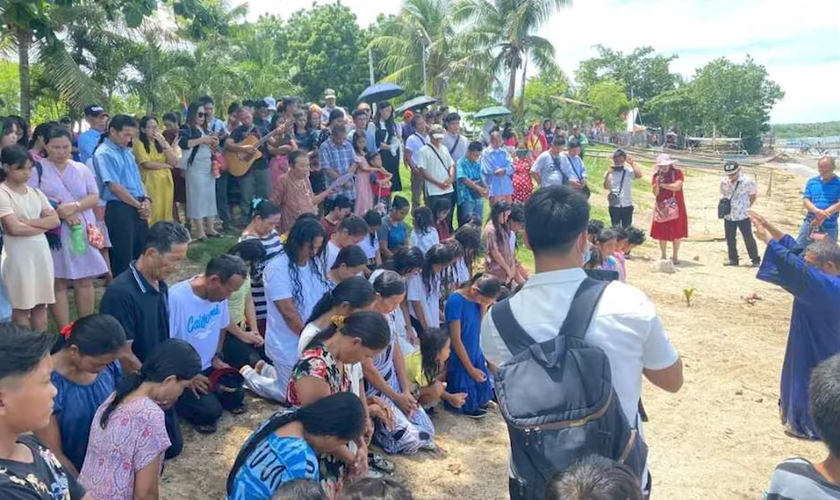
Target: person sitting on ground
pixel 797 478
pixel 85 373
pixel 198 314
pixel 300 489
pixel 426 371
pixel 394 232
pixel 340 208
pixel 351 231
pixel 424 235
pixel 30 471
pixel 441 208
pixel 607 243
pixel 499 259
pixel 369 488
pixel 128 436
pixel 594 478
pixel 265 216
pixel 516 222
pixel 286 446
pixel 469 238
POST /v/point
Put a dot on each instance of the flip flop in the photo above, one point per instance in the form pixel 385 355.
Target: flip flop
pixel 380 463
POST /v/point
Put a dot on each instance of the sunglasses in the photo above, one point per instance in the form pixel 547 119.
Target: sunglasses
pixel 201 115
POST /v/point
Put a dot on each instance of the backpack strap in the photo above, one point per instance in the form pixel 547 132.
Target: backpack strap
pixel 514 336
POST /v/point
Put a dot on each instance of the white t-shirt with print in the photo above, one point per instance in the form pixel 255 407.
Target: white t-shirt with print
pixel 743 189
pixel 197 321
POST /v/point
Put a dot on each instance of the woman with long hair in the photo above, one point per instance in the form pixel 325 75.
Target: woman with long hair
pixel 128 435
pixel 424 235
pixel 293 439
pixel 364 190
pixel 425 289
pixel 498 257
pixel 156 159
pixel 39 140
pixel 387 134
pixel 76 259
pixel 265 216
pixel 407 261
pixel 197 144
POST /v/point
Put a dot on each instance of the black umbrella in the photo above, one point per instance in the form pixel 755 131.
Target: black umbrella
pixel 417 102
pixel 381 92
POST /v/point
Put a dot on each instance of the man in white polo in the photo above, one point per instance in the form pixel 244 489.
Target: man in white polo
pixel 437 168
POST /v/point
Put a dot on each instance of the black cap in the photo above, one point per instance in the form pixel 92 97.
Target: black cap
pixel 573 143
pixel 95 110
pixel 731 167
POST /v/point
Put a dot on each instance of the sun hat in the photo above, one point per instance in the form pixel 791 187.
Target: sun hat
pixel 436 132
pixel 731 167
pixel 664 160
pixel 329 93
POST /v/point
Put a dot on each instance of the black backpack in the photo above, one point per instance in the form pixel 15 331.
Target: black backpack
pixel 558 400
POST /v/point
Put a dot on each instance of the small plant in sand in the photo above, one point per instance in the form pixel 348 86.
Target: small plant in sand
pixel 689 292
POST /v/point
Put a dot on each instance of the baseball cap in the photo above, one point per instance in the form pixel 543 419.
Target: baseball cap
pixel 270 102
pixel 329 93
pixel 731 167
pixel 619 153
pixel 95 110
pixel 436 132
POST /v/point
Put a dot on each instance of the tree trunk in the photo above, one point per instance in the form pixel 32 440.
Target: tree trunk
pixel 511 88
pixel 24 41
pixel 524 79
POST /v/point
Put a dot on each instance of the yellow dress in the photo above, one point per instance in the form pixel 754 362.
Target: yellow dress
pixel 158 182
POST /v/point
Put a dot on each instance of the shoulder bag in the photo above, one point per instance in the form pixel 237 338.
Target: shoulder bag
pixel 666 210
pixel 614 198
pixel 725 204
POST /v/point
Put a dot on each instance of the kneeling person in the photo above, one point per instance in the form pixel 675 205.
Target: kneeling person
pixel 198 314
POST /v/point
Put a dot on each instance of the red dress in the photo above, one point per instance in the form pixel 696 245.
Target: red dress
pixel 522 183
pixel 676 229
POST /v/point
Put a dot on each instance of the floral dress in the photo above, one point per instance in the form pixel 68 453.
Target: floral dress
pixel 319 363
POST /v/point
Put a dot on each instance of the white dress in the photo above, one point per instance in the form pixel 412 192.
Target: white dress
pixel 201 185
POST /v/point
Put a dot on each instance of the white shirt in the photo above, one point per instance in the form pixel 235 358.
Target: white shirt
pixel 280 341
pixel 414 142
pixel 437 165
pixel 424 241
pixel 461 271
pixel 197 321
pixel 416 292
pixel 625 326
pixel 740 198
pixel 369 248
pixel 332 255
pixel 396 321
pixel 456 144
pixel 552 173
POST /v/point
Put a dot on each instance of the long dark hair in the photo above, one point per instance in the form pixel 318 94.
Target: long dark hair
pixel 357 292
pixel 144 138
pixel 96 335
pixel 432 341
pixel 424 221
pixel 437 255
pixel 192 117
pixel 488 285
pixel 405 260
pixel 469 236
pixel 368 326
pixel 41 131
pixel 304 232
pixel 263 209
pixel 359 134
pixel 15 157
pixel 390 123
pixel 502 230
pixel 350 256
pixel 373 219
pixel 389 284
pixel 171 358
pixel 341 415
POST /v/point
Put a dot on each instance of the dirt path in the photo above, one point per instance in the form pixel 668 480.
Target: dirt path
pixel 719 438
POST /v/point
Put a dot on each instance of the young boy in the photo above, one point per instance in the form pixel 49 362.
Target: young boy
pixel 797 478
pixel 340 208
pixel 28 470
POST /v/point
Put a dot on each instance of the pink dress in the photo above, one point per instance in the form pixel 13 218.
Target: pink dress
pixel 134 437
pixel 364 192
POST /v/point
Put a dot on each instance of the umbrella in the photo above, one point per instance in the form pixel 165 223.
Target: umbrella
pixel 381 92
pixel 492 112
pixel 417 102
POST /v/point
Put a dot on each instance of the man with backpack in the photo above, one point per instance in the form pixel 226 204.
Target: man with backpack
pixel 563 326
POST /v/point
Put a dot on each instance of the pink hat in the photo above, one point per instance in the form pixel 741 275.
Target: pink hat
pixel 664 160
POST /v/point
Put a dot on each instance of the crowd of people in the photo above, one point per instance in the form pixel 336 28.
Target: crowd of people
pixel 359 327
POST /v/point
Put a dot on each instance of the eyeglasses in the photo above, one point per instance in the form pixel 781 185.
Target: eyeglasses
pixel 201 115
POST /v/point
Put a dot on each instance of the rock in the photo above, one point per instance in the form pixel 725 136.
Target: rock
pixel 759 400
pixel 696 258
pixel 665 266
pixel 739 392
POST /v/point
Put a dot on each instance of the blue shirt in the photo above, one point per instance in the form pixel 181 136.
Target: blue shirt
pixel 75 405
pixel 116 164
pixel 87 143
pixel 578 168
pixel 465 169
pixel 823 195
pixel 491 161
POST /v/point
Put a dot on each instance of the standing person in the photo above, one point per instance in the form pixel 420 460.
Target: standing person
pixel 361 120
pixel 618 181
pixel 199 315
pixel 171 129
pixel 97 119
pixel 437 168
pixel 741 192
pixel 670 220
pixel 265 216
pixel 338 158
pixel 26 216
pixel 73 186
pixel 256 183
pixel 128 437
pixel 625 324
pixel 822 200
pixel 497 168
pixel 579 179
pixel 406 127
pixel 280 145
pixel 37 142
pixel 364 190
pixel 29 470
pixel 156 159
pixel 813 279
pixel 293 193
pixel 548 130
pixel 415 142
pixel 581 140
pixel 128 207
pixel 394 231
pixel 552 168
pixel 468 371
pixel 536 141
pixel 471 187
pixel 219 128
pixel 197 144
pixel 85 373
pixel 453 140
pixel 387 140
pixel 329 106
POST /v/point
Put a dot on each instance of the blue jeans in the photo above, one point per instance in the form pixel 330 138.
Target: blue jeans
pixel 468 210
pixel 805 232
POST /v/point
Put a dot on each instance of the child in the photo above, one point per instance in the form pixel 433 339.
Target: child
pixel 425 289
pixel 593 229
pixel 517 223
pixel 300 489
pixel 370 245
pixel 370 488
pixel 607 245
pixel 469 236
pixel 498 257
pixel 426 370
pixel 798 478
pixel 424 235
pixel 440 213
pixel 364 190
pixel 596 259
pixel 594 478
pixel 381 183
pixel 468 371
pixel 635 237
pixel 394 232
pixel 340 208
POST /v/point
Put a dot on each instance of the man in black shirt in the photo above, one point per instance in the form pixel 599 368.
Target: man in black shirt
pixel 257 182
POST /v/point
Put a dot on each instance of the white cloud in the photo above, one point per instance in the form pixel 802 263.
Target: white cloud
pixel 797 42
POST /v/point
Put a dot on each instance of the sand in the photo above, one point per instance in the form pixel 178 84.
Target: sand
pixel 718 438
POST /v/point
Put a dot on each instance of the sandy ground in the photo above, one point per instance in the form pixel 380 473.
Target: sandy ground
pixel 719 438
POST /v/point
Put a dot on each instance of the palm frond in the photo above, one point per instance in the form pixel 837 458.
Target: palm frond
pixel 73 84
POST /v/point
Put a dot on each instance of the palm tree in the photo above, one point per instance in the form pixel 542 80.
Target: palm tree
pixel 505 30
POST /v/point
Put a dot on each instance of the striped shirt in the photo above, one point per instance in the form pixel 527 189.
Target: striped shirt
pixel 797 479
pixel 273 246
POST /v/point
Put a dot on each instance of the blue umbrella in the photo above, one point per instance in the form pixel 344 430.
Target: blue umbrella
pixel 381 92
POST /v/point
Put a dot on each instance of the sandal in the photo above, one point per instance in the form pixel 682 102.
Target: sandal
pixel 380 463
pixel 206 428
pixel 239 410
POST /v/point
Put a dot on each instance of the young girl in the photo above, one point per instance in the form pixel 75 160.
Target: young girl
pixel 264 219
pixel 84 375
pixel 364 191
pixel 440 214
pixel 426 371
pixel 407 261
pixel 370 245
pixel 468 370
pixel 381 184
pixel 517 223
pixel 607 245
pixel 425 289
pixel 424 235
pixel 469 236
pixel 499 260
pixel 128 435
pixel 386 377
pixel 244 345
pixel 286 446
pixel 26 215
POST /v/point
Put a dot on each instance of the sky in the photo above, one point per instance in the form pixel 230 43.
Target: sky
pixel 798 42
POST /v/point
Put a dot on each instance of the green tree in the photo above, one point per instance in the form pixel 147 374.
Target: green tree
pixel 677 108
pixel 609 102
pixel 262 70
pixel 796 130
pixel 541 95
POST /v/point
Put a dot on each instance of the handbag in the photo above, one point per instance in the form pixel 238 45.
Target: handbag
pixel 725 204
pixel 666 210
